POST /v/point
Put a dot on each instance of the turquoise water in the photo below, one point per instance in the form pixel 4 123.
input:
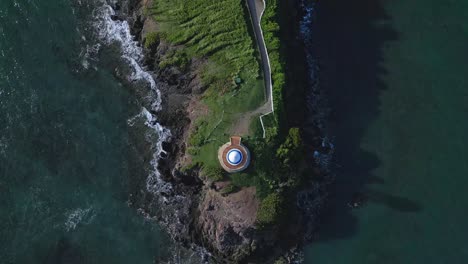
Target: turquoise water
pixel 67 162
pixel 396 75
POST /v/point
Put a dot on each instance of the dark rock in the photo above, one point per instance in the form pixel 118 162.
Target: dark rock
pixel 117 17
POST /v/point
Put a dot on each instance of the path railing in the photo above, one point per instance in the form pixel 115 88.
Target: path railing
pixel 256 21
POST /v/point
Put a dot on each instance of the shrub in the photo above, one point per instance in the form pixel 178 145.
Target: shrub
pixel 281 260
pixel 289 152
pixel 271 30
pixel 231 188
pixel 271 209
pixel 175 58
pixel 269 179
pixel 151 40
pixel 197 137
pixel 213 173
pixel 270 134
pixel 241 179
pixel 193 150
pixel 189 167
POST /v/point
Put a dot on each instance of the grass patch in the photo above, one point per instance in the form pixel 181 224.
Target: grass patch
pixel 175 57
pixel 229 189
pixel 271 32
pixel 256 130
pixel 152 40
pixel 219 32
pixel 213 173
pixel 214 29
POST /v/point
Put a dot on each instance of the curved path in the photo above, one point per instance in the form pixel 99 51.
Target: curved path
pixel 256 9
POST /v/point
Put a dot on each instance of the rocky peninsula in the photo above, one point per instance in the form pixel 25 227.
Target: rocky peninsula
pixel 259 216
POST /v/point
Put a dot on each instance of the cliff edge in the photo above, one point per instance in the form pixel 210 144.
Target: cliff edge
pixel 230 218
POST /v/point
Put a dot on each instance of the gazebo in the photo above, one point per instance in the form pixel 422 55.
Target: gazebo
pixel 234 156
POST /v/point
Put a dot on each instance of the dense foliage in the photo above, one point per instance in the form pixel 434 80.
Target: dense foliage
pixel 213 173
pixel 177 57
pixel 151 40
pixel 290 151
pixel 270 27
pixel 271 209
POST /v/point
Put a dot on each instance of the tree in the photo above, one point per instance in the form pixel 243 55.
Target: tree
pixel 271 209
pixel 213 173
pixel 289 152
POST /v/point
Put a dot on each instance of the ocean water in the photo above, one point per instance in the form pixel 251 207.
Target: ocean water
pixel 72 127
pixel 78 141
pixel 396 76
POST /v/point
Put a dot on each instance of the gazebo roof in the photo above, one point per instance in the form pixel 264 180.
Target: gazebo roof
pixel 234 156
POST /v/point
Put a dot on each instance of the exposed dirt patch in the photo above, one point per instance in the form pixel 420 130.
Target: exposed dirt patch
pixel 227 222
pixel 241 127
pixel 195 109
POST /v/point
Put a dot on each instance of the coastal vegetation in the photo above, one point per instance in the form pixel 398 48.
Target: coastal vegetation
pixel 271 209
pixel 278 157
pixel 212 173
pixel 151 40
pixel 219 33
pixel 290 151
pixel 271 28
pixel 275 173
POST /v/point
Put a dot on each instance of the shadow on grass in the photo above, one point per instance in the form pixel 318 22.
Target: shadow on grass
pixel 349 37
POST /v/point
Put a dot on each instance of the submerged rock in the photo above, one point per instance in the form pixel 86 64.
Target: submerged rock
pixel 358 200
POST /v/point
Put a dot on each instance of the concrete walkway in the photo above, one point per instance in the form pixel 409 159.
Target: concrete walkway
pixel 256 9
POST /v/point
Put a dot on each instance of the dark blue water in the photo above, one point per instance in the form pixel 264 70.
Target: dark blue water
pixel 68 161
pixel 395 74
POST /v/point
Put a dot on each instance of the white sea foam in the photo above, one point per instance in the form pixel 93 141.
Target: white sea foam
pixel 154 183
pixel 78 216
pixel 116 31
pixel 89 53
pixel 175 208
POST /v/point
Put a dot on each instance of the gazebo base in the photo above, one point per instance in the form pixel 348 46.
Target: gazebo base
pixel 234 145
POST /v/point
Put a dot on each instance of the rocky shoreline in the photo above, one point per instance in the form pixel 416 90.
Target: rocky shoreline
pixel 200 214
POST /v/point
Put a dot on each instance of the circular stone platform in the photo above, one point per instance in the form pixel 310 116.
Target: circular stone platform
pixel 234 156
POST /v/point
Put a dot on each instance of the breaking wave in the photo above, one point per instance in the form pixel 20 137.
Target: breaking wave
pixel 77 216
pixel 174 209
pixel 118 31
pixel 110 32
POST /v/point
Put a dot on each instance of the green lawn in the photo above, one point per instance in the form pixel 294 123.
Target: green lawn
pixel 219 31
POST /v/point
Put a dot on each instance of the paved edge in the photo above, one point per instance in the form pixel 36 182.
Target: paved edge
pixel 256 20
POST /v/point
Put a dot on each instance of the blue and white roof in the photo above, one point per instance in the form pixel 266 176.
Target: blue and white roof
pixel 234 157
